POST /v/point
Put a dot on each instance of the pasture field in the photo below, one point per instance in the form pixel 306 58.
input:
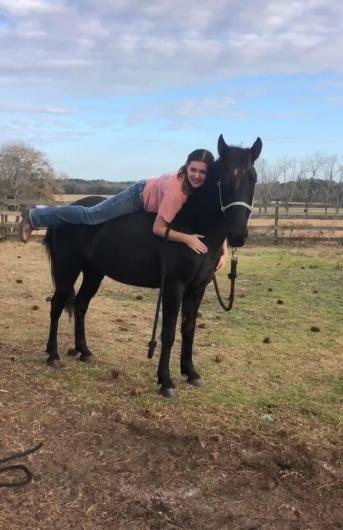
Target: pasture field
pixel 259 447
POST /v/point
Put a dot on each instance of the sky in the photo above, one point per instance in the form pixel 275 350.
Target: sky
pixel 124 90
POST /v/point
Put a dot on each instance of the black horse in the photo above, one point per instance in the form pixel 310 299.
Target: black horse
pixel 126 250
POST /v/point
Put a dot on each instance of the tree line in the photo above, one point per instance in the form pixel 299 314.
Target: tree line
pixel 27 174
pixel 91 187
pixel 314 178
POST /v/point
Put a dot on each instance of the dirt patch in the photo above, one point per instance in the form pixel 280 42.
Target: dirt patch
pixel 101 468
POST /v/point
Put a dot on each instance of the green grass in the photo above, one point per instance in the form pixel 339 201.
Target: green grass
pixel 293 383
pixel 296 375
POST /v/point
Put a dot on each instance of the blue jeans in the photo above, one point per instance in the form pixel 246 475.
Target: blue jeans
pixel 127 201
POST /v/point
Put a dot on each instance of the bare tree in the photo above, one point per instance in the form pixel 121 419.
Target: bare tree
pixel 306 183
pixel 316 178
pixel 339 189
pixel 329 183
pixel 291 172
pixel 25 173
pixel 268 179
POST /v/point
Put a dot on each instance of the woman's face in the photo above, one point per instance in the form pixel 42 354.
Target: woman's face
pixel 196 173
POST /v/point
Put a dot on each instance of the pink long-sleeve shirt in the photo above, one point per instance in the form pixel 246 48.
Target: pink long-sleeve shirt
pixel 164 196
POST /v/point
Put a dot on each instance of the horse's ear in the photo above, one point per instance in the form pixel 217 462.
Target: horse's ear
pixel 256 149
pixel 222 146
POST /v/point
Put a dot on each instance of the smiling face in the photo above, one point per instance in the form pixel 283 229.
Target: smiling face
pixel 196 173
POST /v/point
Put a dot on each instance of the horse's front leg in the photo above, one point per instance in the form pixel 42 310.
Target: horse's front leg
pixel 171 305
pixel 190 305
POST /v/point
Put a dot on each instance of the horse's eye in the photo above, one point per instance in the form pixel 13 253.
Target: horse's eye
pixel 253 176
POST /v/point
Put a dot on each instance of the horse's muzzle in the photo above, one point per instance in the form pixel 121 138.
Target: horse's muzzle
pixel 237 240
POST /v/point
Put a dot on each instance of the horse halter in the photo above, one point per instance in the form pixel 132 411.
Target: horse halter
pixel 236 203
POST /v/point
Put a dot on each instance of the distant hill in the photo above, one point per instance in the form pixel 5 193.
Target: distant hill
pixel 90 187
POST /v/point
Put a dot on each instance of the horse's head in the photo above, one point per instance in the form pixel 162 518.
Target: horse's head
pixel 237 179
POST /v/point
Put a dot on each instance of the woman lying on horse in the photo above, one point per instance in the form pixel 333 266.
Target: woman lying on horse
pixel 164 196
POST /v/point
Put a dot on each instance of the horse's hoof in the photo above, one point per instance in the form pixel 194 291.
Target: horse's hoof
pixel 54 363
pixel 196 382
pixel 89 359
pixel 168 392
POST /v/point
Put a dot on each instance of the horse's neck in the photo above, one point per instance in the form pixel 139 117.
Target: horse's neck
pixel 208 203
pixel 201 213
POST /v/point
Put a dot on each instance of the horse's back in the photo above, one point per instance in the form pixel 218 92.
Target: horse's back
pixel 125 249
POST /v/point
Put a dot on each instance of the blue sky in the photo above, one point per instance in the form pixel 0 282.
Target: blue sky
pixel 122 89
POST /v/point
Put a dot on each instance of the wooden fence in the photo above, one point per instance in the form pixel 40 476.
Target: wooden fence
pixel 9 218
pixel 10 213
pixel 281 222
pixel 273 222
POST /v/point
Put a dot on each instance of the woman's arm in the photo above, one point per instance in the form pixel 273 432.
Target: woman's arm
pixel 191 240
pixel 224 257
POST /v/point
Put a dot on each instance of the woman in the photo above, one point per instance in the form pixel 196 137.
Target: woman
pixel 164 195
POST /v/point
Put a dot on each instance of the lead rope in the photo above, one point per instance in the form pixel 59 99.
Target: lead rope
pixel 232 277
pixel 14 456
pixel 153 342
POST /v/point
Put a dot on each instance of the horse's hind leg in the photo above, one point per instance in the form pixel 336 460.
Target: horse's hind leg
pixel 90 284
pixel 190 305
pixel 63 297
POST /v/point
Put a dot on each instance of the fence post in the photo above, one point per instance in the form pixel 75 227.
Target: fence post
pixel 276 225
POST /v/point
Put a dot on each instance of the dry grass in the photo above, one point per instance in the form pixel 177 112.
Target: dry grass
pixel 259 447
pixel 294 381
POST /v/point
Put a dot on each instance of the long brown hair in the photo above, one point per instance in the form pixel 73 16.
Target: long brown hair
pixel 199 155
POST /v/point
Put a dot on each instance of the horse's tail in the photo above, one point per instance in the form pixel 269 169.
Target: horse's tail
pixel 49 243
pixel 69 304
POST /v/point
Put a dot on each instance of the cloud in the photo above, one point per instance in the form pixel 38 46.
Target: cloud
pixel 26 7
pixel 185 110
pixel 57 111
pixel 334 100
pixel 101 47
pixel 43 124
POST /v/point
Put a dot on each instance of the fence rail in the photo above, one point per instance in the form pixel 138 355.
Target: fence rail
pixel 10 212
pixel 276 222
pixel 297 222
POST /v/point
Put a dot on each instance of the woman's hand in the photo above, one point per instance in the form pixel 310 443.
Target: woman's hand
pixel 193 242
pixel 223 258
pixel 222 262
